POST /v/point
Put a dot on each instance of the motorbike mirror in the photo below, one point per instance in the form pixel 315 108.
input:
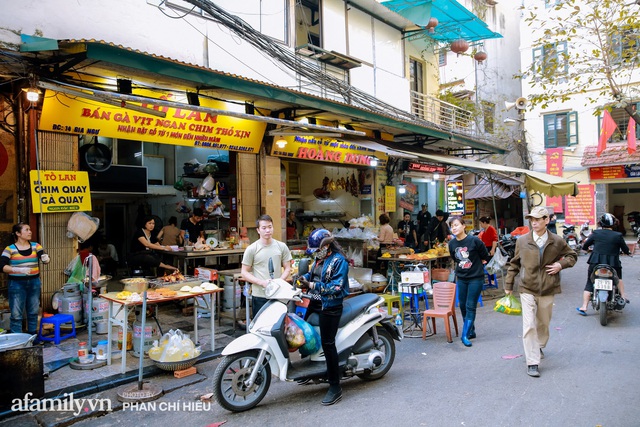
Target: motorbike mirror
pixel 303 266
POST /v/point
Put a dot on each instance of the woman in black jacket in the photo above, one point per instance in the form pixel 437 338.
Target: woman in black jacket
pixel 607 245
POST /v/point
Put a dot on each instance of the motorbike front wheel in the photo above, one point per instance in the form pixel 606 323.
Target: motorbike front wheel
pixel 388 347
pixel 229 380
pixel 603 313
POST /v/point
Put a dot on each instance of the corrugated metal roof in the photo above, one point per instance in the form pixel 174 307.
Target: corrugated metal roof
pixel 485 190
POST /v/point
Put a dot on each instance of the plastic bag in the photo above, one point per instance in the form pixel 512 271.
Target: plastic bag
pixel 508 305
pixel 77 271
pixel 82 226
pixel 293 334
pixel 496 263
pixel 312 338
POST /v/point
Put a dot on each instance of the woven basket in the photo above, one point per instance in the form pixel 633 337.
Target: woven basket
pixel 176 366
pixel 440 274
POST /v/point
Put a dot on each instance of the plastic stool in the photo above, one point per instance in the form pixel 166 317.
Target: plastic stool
pixel 57 321
pixel 492 281
pixel 389 300
pixel 479 299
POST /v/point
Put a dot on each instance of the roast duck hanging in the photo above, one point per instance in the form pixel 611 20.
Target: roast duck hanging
pixel 323 193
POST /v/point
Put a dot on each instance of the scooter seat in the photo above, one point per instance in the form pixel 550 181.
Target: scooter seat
pixel 351 308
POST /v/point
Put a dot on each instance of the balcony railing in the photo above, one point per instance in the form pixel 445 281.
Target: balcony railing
pixel 443 114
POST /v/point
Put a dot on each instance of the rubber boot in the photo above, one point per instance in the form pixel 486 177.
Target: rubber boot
pixel 472 331
pixel 465 333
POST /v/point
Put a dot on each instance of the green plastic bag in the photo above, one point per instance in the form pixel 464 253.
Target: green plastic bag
pixel 75 270
pixel 508 305
pixel 312 338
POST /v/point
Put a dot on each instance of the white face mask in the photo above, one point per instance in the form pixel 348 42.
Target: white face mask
pixel 321 253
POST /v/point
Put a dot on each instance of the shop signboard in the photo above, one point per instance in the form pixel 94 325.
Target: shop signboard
pixel 60 191
pixel 328 150
pixel 614 172
pixel 75 115
pixel 389 198
pixel 380 193
pixel 469 206
pixel 455 199
pixel 581 208
pixel 408 199
pixel 426 167
pixel 554 167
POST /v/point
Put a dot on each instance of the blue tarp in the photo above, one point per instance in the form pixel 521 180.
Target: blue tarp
pixel 454 20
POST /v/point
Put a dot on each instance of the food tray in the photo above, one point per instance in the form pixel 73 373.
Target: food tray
pixel 188 280
pixel 176 366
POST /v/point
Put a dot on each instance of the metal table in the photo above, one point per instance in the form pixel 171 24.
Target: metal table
pixel 185 256
pixel 127 305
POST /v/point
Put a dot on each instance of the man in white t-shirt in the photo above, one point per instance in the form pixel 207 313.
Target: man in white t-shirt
pixel 255 262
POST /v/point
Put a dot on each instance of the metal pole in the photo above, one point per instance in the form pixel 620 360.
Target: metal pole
pixel 142 336
pixel 90 300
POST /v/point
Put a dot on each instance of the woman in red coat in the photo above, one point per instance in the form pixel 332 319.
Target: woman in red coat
pixel 488 235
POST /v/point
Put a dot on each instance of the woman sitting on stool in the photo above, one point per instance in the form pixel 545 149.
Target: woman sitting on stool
pixel 142 248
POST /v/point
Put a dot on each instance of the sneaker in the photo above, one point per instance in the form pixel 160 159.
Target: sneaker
pixel 332 397
pixel 541 354
pixel 532 371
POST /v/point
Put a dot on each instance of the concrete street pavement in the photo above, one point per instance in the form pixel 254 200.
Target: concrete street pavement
pixel 589 377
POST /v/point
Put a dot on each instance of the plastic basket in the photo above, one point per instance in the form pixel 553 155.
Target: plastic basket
pixel 440 274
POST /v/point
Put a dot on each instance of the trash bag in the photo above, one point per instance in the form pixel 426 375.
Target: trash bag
pixel 496 263
pixel 293 334
pixel 508 305
pixel 312 337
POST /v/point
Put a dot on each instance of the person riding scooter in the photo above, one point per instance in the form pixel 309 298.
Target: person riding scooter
pixel 329 278
pixel 607 245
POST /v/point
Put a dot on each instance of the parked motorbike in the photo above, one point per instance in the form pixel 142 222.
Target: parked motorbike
pixel 365 342
pixel 508 244
pixel 634 222
pixel 570 236
pixel 585 232
pixel 606 296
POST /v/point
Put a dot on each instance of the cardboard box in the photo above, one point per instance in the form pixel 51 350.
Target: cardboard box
pixel 415 276
pixel 209 274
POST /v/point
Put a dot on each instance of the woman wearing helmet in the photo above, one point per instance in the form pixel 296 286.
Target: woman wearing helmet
pixel 607 245
pixel 328 278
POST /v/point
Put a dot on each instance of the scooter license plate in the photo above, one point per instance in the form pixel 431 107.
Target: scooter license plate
pixel 603 284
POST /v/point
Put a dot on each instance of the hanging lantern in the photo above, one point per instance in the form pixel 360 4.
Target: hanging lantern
pixel 459 46
pixel 480 56
pixel 431 26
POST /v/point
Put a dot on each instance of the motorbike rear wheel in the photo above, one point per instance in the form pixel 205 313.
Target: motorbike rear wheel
pixel 388 347
pixel 603 313
pixel 228 381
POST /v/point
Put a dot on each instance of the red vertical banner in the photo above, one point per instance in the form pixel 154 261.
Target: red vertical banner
pixel 554 167
pixel 581 208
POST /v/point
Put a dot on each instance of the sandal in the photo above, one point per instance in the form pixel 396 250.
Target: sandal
pixel 581 312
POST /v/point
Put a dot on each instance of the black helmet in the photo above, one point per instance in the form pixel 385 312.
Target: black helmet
pixel 607 220
pixel 316 239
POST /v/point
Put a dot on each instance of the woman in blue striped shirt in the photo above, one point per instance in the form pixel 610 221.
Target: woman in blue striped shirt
pixel 20 262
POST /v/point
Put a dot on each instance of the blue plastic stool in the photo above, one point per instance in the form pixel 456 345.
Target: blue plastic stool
pixel 479 299
pixel 57 321
pixel 492 281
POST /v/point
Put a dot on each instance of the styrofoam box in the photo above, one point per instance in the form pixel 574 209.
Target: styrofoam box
pixel 204 273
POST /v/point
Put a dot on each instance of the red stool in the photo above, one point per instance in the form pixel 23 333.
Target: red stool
pixel 57 321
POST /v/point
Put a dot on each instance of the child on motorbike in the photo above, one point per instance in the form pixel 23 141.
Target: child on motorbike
pixel 607 245
pixel 328 277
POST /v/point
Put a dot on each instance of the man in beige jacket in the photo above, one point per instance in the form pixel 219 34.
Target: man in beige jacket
pixel 539 257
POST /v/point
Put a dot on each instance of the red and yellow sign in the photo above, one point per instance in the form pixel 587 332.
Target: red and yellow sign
pixel 581 208
pixel 554 167
pixel 327 150
pixel 60 191
pixel 389 198
pixel 71 114
pixel 607 172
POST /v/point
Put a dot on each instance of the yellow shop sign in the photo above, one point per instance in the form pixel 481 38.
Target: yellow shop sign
pixel 60 191
pixel 327 150
pixel 71 114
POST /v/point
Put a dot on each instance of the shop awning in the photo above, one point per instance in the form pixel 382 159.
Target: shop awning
pixel 533 181
pixel 379 147
pixel 488 189
pixel 454 20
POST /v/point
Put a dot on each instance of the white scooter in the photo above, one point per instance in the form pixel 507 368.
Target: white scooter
pixel 364 341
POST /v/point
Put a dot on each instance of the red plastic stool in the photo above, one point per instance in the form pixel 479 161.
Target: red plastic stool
pixel 57 321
